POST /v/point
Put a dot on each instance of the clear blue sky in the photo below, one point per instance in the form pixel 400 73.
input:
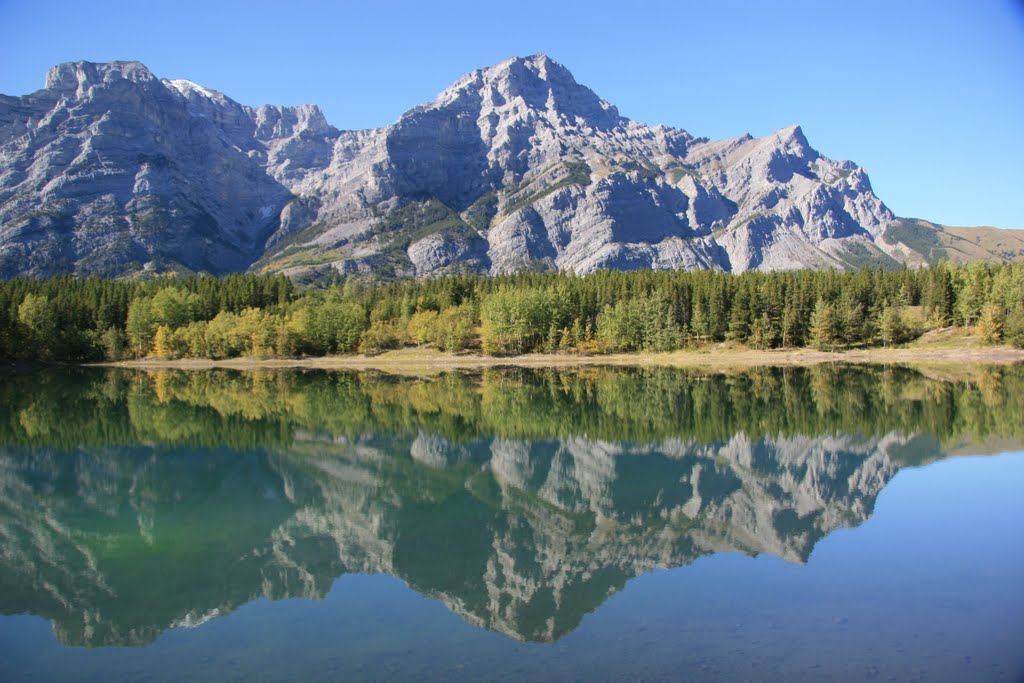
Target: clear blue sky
pixel 927 95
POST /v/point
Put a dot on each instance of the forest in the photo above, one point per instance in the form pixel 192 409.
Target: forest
pixel 92 319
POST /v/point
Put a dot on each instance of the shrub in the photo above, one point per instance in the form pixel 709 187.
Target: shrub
pixel 381 336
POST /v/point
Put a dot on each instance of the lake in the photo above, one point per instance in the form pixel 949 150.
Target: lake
pixel 823 523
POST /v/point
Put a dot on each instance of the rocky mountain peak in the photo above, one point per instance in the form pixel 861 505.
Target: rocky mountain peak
pixel 112 171
pixel 78 77
pixel 793 141
pixel 191 91
pixel 536 84
pixel 279 122
pixel 522 73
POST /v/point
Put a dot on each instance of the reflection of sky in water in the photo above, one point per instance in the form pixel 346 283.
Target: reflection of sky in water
pixel 930 587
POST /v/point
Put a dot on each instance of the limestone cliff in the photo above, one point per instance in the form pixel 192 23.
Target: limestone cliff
pixel 110 170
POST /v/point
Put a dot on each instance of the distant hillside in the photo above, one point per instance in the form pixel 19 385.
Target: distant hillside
pixel 936 242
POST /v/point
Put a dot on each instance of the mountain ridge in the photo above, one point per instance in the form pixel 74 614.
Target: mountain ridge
pixel 110 170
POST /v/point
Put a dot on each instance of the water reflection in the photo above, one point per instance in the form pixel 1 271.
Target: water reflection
pixel 134 502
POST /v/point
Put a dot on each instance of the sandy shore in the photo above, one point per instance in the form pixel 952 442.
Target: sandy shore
pixel 711 357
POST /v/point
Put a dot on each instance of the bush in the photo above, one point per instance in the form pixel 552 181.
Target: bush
pixel 114 343
pixel 422 327
pixel 455 328
pixel 336 327
pixel 381 336
pixel 515 321
pixel 1013 327
pixel 990 324
pixel 639 324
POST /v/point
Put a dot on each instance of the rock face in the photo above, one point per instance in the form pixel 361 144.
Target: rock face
pixel 110 170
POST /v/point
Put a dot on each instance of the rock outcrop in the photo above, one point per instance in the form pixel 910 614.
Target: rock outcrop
pixel 110 170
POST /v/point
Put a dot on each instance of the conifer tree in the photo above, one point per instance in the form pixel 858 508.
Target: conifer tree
pixel 990 324
pixel 1013 326
pixel 972 290
pixel 762 333
pixel 824 329
pixel 891 329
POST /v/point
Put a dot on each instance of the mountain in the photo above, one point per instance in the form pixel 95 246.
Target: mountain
pixel 110 170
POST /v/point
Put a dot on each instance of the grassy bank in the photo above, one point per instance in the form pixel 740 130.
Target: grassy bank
pixel 712 356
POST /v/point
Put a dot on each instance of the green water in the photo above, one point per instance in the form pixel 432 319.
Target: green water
pixel 594 524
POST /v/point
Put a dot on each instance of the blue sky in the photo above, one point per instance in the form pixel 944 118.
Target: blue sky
pixel 927 95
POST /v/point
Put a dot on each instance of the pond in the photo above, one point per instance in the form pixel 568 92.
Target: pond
pixel 821 523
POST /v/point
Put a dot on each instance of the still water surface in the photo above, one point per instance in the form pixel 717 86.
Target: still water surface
pixel 829 523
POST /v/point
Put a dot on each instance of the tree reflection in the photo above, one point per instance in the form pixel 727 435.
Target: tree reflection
pixel 134 502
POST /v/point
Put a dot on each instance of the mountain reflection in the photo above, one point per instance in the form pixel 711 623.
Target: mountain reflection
pixel 134 502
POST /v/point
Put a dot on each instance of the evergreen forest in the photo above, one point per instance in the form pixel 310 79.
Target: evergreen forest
pixel 93 319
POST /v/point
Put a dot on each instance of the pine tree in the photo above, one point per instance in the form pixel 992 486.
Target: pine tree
pixel 699 328
pixel 791 328
pixel 938 295
pixel 739 317
pixel 824 326
pixel 114 343
pixel 1013 326
pixel 990 324
pixel 762 333
pixel 891 329
pixel 578 334
pixel 973 281
pixel 852 319
pixel 554 339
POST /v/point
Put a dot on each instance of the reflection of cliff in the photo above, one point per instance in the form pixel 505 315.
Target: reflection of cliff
pixel 504 495
pixel 527 537
pixel 117 545
pixel 521 537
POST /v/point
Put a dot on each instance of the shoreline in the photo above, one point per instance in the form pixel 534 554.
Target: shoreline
pixel 720 358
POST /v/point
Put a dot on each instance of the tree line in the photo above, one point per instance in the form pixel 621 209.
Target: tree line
pixel 85 319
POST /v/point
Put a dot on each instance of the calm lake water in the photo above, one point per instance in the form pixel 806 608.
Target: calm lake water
pixel 828 523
